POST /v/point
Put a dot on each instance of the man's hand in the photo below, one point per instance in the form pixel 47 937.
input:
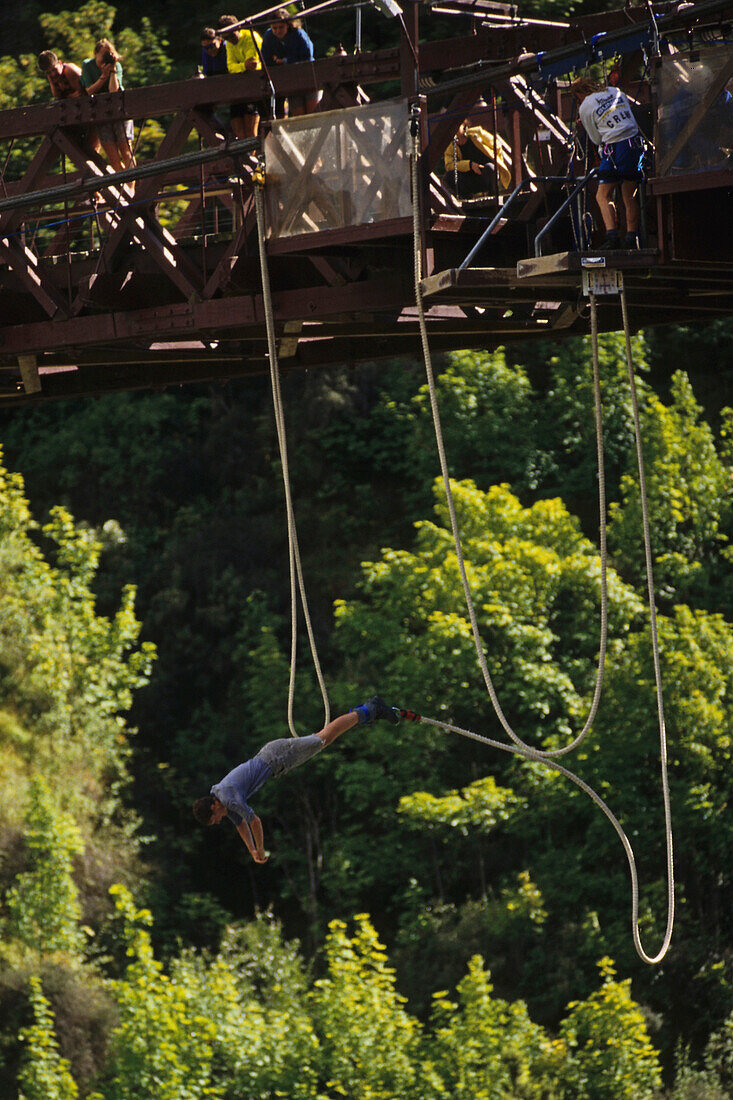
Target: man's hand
pixel 251 63
pixel 260 856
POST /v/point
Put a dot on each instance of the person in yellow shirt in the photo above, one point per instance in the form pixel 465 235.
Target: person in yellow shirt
pixel 472 155
pixel 243 55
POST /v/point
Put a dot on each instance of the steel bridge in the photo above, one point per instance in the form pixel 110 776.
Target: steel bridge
pixel 103 289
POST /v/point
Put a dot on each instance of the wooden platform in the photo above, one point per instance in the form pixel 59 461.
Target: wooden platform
pixel 546 291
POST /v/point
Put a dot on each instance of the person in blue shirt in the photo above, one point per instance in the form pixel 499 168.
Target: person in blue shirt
pixel 213 53
pixel 230 796
pixel 286 43
pixel 213 63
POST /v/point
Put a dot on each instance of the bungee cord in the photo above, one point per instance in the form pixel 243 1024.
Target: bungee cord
pixel 452 509
pixel 519 747
pixel 296 569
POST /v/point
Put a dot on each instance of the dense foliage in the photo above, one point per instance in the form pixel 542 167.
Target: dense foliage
pixel 464 860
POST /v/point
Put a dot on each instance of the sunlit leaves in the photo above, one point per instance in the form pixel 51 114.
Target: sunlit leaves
pixel 44 1074
pixel 612 1057
pixel 43 903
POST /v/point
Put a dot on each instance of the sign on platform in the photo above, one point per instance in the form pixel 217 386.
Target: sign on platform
pixel 602 281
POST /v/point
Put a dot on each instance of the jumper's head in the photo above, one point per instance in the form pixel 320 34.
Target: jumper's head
pixel 208 810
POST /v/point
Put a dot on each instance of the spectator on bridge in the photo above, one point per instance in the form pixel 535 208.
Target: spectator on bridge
pixel 64 78
pixel 244 48
pixel 213 53
pixel 285 43
pixel 65 81
pixel 610 124
pixel 472 164
pixel 103 73
pixel 213 63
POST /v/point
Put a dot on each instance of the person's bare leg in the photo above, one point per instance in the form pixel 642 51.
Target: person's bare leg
pixel 113 155
pixel 338 726
pixel 251 125
pixel 606 206
pixel 237 125
pixel 631 204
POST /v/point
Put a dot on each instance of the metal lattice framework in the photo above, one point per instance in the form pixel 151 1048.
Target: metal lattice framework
pixel 162 286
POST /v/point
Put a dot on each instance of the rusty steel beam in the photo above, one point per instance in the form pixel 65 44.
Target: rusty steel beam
pixel 155 169
pixel 152 101
pixel 207 317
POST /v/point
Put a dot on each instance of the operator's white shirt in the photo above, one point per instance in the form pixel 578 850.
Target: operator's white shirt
pixel 607 116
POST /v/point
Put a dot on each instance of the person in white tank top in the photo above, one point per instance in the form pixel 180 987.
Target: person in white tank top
pixel 609 121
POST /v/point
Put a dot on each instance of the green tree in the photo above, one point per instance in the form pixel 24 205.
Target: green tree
pixel 535 583
pixel 43 905
pixel 44 1074
pixel 73 34
pixel 689 492
pixel 484 1048
pixel 611 1054
pixel 257 987
pixel 163 1045
pixel 67 672
pixel 368 1040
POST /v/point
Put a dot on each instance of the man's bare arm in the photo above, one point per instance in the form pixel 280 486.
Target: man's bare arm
pixel 256 827
pixel 253 837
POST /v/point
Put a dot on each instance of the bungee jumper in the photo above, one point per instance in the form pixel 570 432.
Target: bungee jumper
pixel 229 798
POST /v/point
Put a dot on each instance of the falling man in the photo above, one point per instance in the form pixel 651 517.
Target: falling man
pixel 229 798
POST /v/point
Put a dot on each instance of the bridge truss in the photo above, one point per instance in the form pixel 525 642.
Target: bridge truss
pixel 162 286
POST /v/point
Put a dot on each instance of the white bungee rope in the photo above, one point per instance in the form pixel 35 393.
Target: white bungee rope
pixel 452 509
pixel 296 569
pixel 520 748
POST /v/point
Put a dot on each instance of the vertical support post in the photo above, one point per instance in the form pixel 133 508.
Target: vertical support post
pixel 68 238
pixel 515 123
pixel 642 215
pixel 428 252
pixel 202 200
pixel 663 230
pixel 409 48
pixel 495 125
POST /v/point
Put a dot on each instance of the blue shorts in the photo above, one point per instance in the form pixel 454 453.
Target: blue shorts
pixel 623 160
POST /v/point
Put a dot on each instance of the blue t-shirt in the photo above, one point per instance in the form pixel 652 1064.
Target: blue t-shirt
pixel 295 46
pixel 239 785
pixel 214 64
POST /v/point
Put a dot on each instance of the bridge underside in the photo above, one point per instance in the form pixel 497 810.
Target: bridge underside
pixel 125 344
